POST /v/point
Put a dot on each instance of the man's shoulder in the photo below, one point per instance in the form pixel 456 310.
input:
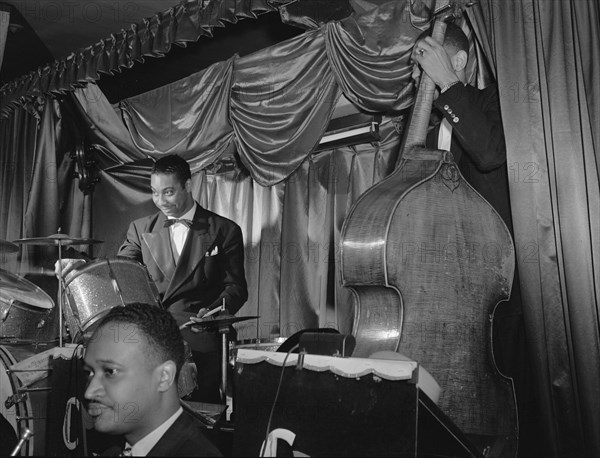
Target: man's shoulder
pixel 218 220
pixel 186 437
pixel 146 220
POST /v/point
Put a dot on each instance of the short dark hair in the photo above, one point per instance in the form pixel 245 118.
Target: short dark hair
pixel 456 38
pixel 158 326
pixel 175 165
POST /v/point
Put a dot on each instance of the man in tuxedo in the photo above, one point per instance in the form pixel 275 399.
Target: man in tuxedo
pixel 196 259
pixel 133 361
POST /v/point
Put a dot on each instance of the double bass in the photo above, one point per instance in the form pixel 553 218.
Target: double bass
pixel 428 260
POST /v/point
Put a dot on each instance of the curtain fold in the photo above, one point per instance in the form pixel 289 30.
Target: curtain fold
pixel 549 101
pixel 153 37
pixel 32 148
pixel 281 101
pixel 192 119
pixel 370 56
pixel 270 107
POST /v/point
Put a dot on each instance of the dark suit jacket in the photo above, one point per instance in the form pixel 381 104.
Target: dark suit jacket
pixel 210 268
pixel 478 144
pixel 183 438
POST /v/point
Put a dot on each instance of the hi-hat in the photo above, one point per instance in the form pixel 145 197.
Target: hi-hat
pixel 7 247
pixel 15 288
pixel 56 240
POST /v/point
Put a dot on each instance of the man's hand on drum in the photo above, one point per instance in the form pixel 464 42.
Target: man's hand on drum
pixel 66 265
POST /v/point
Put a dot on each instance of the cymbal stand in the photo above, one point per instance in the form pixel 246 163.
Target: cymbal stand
pixel 224 331
pixel 60 294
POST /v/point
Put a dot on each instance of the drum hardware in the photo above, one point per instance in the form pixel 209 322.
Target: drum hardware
pixel 222 323
pixel 115 283
pixel 59 240
pixel 5 313
pixel 21 395
pixel 11 371
pixel 24 405
pixel 24 438
pixel 14 399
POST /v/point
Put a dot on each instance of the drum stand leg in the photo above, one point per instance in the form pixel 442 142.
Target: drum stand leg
pixel 224 330
pixel 60 296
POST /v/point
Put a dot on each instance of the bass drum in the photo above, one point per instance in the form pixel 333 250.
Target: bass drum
pixel 23 406
pixel 96 287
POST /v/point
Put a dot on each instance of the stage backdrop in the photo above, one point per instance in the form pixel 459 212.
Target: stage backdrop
pixel 546 55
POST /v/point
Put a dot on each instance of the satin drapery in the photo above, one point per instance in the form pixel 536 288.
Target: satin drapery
pixel 547 56
pixel 154 36
pixel 273 113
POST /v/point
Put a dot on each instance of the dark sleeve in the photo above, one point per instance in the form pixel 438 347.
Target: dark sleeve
pixel 235 291
pixel 131 247
pixel 476 121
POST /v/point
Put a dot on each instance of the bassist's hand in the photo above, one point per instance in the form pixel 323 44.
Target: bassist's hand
pixel 433 59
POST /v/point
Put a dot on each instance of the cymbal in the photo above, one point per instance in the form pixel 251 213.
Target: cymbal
pixel 222 320
pixel 13 287
pixel 56 240
pixel 7 247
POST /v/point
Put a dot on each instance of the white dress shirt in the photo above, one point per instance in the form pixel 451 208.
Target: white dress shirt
pixel 444 136
pixel 146 443
pixel 180 231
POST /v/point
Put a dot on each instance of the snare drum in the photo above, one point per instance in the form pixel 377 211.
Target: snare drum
pixel 24 407
pixel 96 287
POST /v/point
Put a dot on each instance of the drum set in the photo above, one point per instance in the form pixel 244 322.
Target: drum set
pixel 30 324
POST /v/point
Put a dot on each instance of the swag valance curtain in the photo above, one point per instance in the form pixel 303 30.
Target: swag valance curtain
pixel 153 37
pixel 272 106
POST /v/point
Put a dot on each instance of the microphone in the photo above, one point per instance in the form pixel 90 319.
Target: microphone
pixel 24 438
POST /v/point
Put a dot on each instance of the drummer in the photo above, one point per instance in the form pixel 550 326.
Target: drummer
pixel 196 259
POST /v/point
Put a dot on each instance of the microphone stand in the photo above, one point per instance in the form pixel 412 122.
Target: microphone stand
pixel 24 438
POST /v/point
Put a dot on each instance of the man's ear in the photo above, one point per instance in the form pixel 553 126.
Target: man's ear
pixel 459 61
pixel 188 185
pixel 166 374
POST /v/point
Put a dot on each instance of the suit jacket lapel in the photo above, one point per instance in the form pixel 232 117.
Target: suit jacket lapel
pixel 159 245
pixel 171 438
pixel 196 245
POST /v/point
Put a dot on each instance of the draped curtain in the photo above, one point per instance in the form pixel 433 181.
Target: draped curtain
pixel 153 37
pixel 547 59
pixel 36 173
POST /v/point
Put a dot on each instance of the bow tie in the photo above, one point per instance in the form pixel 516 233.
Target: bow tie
pixel 170 222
